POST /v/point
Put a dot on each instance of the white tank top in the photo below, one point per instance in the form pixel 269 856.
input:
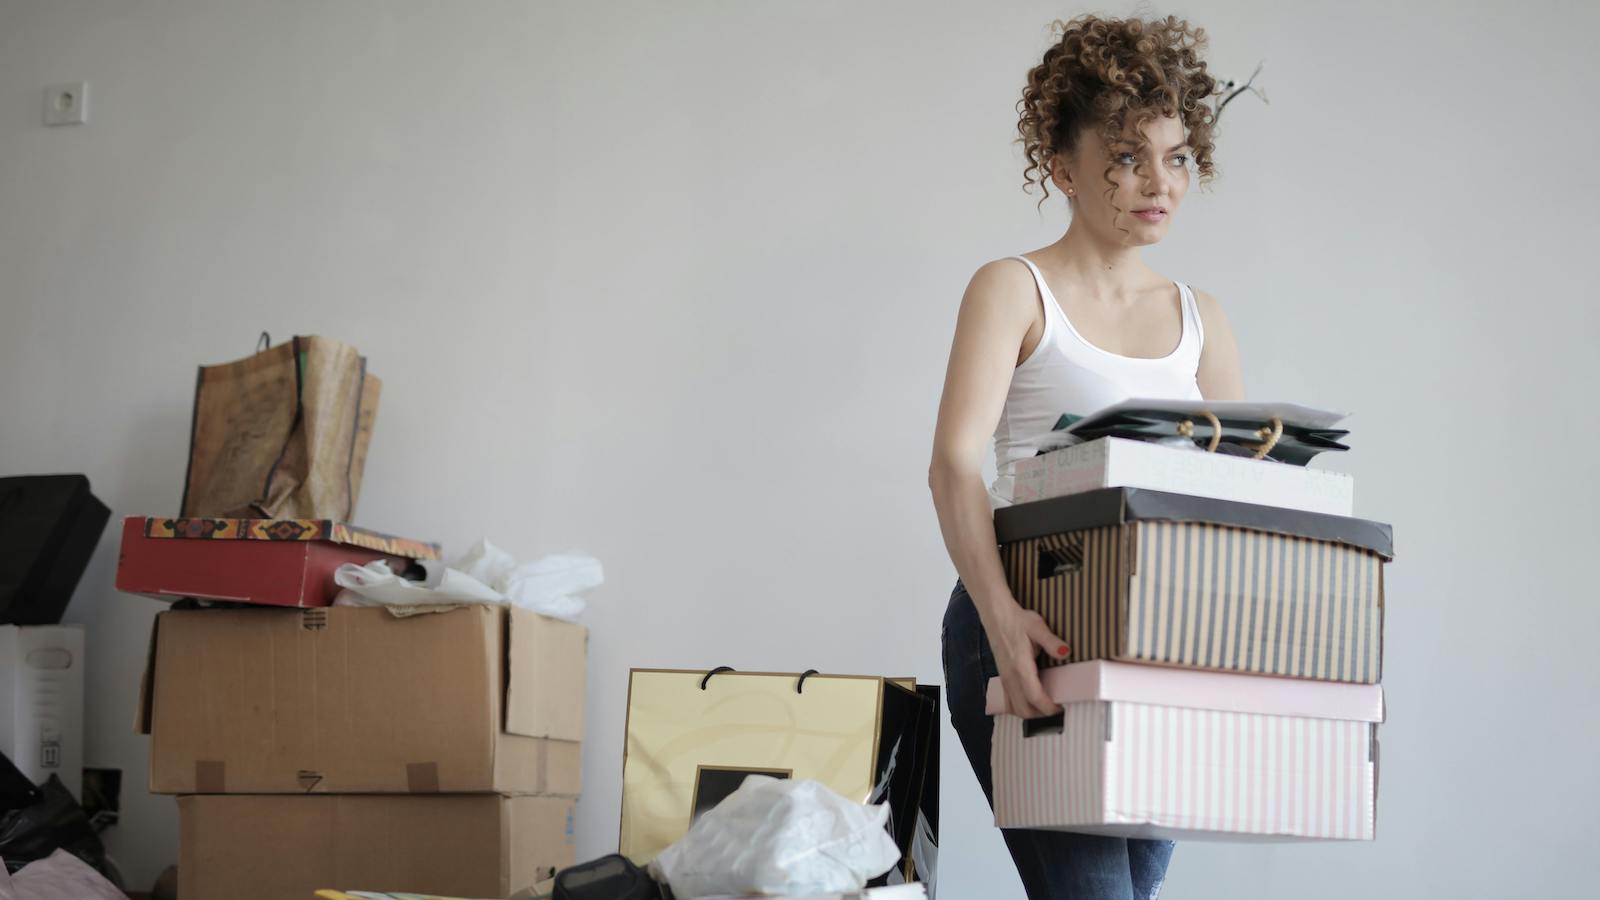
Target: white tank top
pixel 1067 374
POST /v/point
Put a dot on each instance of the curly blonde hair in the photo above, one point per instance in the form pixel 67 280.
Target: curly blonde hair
pixel 1101 73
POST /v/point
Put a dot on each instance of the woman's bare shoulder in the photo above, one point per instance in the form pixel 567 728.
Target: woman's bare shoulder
pixel 1004 273
pixel 1210 309
pixel 1003 286
pixel 1207 301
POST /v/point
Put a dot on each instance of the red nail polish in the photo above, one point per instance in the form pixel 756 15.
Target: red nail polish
pixel 1063 650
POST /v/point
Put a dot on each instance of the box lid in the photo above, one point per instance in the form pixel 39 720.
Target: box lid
pixel 1120 505
pixel 285 530
pixel 1200 689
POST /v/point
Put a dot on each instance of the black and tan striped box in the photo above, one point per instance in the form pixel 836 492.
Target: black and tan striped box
pixel 1148 576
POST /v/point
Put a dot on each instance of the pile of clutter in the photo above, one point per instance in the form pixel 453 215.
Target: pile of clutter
pixel 337 707
pixel 334 705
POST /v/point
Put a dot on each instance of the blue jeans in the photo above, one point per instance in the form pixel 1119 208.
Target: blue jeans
pixel 1054 865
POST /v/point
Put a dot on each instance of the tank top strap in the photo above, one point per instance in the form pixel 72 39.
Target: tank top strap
pixel 1191 318
pixel 1047 300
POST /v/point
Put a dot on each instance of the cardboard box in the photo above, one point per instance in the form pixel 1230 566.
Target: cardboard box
pixel 1145 576
pixel 357 700
pixel 1155 752
pixel 693 736
pixel 274 847
pixel 1118 462
pixel 273 562
pixel 41 702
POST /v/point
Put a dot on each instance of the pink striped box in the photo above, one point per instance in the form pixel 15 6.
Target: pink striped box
pixel 1153 751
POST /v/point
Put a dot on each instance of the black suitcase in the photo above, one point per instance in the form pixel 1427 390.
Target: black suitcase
pixel 49 526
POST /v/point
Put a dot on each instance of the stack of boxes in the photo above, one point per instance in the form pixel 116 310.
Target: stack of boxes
pixel 320 747
pixel 1225 620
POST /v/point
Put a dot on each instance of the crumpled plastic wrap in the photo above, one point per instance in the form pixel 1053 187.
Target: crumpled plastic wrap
pixel 484 574
pixel 59 876
pixel 779 836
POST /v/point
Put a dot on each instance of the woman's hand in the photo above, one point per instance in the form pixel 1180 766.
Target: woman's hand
pixel 1015 637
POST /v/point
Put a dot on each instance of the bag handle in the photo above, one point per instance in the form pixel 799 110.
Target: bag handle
pixel 704 681
pixel 1270 433
pixel 1186 429
pixel 1269 438
pixel 799 687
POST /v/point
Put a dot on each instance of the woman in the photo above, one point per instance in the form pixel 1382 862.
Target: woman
pixel 1115 116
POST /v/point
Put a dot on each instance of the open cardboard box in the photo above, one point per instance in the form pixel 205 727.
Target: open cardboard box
pixel 356 700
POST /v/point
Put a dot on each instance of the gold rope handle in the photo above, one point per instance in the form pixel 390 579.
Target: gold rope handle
pixel 1186 429
pixel 1269 437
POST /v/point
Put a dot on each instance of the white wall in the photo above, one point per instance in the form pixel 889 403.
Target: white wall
pixel 674 284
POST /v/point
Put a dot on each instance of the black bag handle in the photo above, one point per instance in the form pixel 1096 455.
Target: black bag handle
pixel 800 686
pixel 715 671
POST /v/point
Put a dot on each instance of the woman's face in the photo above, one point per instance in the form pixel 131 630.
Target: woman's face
pixel 1147 199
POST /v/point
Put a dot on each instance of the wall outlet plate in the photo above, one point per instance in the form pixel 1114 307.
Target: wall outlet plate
pixel 66 104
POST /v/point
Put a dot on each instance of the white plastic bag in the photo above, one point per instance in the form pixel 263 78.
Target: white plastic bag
pixel 778 836
pixel 551 584
pixel 484 574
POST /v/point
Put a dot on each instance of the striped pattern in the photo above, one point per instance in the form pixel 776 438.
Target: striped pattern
pixel 1218 597
pixel 1086 606
pixel 1209 596
pixel 1188 770
pixel 1053 779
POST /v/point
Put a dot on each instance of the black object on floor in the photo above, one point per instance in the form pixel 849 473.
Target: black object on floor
pixel 16 789
pixel 613 877
pixel 49 526
pixel 102 797
pixel 55 822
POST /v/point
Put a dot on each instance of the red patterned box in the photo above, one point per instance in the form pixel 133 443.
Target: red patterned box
pixel 271 562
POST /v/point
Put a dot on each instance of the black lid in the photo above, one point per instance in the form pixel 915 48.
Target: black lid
pixel 1120 505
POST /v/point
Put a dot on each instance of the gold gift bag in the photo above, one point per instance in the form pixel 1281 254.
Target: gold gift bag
pixel 282 434
pixel 693 736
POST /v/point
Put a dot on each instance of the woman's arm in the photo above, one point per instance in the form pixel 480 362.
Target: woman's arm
pixel 1220 376
pixel 996 314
